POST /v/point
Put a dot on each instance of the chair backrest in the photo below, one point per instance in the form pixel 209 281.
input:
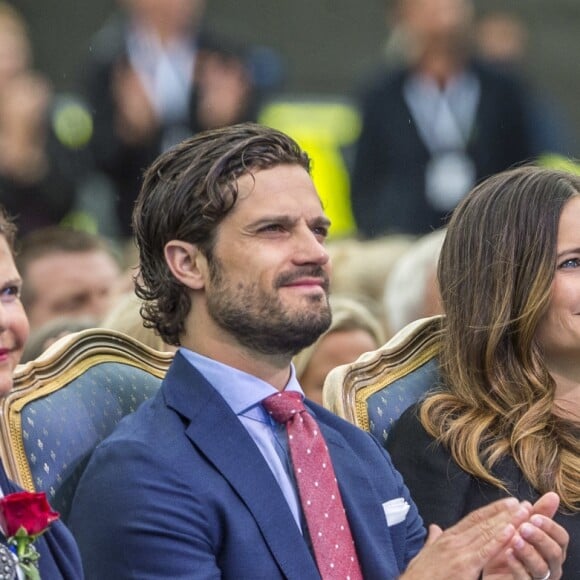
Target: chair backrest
pixel 67 401
pixel 380 385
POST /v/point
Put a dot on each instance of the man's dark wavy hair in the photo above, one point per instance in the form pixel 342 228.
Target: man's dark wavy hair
pixel 185 195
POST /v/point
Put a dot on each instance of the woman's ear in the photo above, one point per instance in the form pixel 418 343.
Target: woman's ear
pixel 187 263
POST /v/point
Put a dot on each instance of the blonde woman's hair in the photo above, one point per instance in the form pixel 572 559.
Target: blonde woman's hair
pixel 348 313
pixel 125 317
pixel 495 273
pixel 360 268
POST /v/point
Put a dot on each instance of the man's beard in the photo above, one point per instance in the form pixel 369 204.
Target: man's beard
pixel 259 320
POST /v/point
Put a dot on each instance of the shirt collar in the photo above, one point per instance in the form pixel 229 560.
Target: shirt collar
pixel 240 390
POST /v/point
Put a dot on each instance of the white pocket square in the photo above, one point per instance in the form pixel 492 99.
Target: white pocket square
pixel 395 511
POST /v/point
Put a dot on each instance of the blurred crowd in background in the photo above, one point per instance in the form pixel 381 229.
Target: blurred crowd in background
pixel 447 106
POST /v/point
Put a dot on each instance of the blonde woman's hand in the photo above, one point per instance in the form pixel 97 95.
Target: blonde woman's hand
pixel 537 550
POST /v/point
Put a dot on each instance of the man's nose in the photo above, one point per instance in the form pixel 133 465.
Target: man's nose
pixel 309 249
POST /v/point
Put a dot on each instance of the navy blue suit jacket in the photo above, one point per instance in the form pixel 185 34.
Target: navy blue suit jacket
pixel 59 556
pixel 180 490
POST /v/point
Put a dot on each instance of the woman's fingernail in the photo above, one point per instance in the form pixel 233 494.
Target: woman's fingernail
pixel 526 530
pixel 537 520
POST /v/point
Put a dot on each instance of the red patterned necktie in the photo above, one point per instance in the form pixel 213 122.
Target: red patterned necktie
pixel 328 527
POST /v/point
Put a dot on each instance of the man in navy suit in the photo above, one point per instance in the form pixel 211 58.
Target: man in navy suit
pixel 198 482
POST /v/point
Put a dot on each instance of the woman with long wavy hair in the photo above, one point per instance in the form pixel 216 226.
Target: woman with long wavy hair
pixel 505 419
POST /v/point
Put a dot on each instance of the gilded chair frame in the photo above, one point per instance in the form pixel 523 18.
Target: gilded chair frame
pixel 60 364
pixel 348 387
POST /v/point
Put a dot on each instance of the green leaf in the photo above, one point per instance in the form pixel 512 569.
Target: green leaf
pixel 30 571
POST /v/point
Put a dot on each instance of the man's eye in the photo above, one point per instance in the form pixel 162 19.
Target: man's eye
pixel 272 228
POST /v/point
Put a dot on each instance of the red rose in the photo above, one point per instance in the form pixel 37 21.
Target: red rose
pixel 28 510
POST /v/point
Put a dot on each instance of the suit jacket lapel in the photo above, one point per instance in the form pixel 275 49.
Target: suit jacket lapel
pixel 216 431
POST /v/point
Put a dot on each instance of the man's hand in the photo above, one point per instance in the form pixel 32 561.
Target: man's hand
pixel 463 550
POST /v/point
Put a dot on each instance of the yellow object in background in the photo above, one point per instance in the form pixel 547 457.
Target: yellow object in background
pixel 560 162
pixel 323 128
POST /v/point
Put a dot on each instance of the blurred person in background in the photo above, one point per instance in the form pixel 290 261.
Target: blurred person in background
pixel 66 273
pixel 501 39
pixel 353 330
pixel 47 334
pixel 38 173
pixel 360 268
pixel 153 77
pixel 125 316
pixel 433 124
pixel 411 289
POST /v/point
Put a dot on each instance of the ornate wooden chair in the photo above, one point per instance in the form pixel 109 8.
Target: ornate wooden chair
pixel 373 391
pixel 68 400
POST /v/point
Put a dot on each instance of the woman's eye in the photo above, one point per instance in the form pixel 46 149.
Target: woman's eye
pixel 10 292
pixel 570 263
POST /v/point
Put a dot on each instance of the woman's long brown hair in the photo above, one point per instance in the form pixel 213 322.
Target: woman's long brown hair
pixel 495 273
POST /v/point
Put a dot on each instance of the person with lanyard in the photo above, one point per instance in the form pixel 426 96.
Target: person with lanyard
pixel 433 124
pixel 228 472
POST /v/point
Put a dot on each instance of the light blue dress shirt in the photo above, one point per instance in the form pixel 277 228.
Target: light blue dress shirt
pixel 244 394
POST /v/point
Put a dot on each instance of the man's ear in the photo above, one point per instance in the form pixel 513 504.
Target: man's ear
pixel 187 263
